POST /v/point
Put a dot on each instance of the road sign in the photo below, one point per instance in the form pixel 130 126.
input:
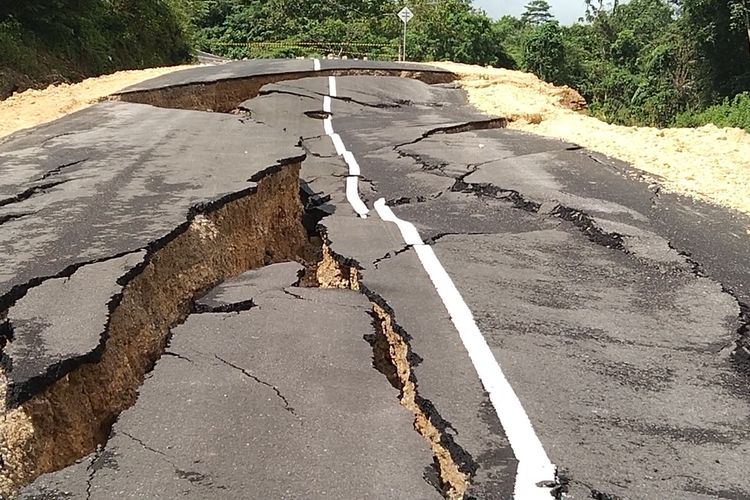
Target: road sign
pixel 405 14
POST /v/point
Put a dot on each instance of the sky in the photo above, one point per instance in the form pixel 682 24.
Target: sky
pixel 565 11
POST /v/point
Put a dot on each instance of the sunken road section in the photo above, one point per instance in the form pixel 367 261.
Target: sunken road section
pixel 71 417
pixel 226 95
pixel 56 419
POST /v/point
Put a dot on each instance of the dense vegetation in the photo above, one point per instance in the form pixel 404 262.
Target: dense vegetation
pixel 442 29
pixel 648 61
pixel 50 40
pixel 640 62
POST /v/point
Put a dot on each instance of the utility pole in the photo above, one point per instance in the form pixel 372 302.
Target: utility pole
pixel 405 15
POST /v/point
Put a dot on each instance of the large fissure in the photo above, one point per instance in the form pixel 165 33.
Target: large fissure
pixel 490 123
pixel 226 95
pixel 394 358
pixel 73 415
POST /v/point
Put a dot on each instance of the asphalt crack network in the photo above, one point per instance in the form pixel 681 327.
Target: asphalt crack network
pixel 28 193
pixel 293 295
pixel 275 389
pixel 19 291
pixel 490 123
pixel 178 356
pixel 428 241
pixel 318 95
pixel 145 446
pixel 234 307
pixel 581 220
pixel 57 170
pixel 10 217
pixel 72 412
pixel 92 470
pixel 741 351
pixel 395 359
pixel 308 150
pixel 391 255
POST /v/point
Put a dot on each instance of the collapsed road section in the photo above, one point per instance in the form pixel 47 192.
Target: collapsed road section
pixel 547 243
pixel 237 336
pixel 277 400
pixel 85 327
pixel 143 219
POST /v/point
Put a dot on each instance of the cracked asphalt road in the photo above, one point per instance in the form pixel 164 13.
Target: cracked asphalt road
pixel 616 311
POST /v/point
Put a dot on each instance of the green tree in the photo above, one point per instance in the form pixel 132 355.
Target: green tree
pixel 454 30
pixel 717 32
pixel 544 53
pixel 537 13
pixel 49 40
pixel 510 33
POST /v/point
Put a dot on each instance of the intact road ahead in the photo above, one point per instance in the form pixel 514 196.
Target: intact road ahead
pixel 336 279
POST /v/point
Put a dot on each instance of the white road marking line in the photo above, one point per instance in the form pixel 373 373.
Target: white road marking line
pixel 534 465
pixel 332 86
pixel 352 162
pixel 316 64
pixel 338 144
pixel 352 180
pixel 352 196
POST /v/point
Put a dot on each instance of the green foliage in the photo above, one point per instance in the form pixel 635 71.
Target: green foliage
pixel 71 39
pixel 718 32
pixel 643 62
pixel 640 62
pixel 510 32
pixel 732 112
pixel 15 52
pixel 537 12
pixel 544 52
pixel 453 30
pixel 441 29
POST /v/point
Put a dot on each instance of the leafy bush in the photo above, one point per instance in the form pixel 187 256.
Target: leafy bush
pixel 49 40
pixel 16 51
pixel 734 112
pixel 544 53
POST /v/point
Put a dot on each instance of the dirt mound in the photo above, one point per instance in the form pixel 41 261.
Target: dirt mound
pixel 34 107
pixel 708 163
pixel 521 96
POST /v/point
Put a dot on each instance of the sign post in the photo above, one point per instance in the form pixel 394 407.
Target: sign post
pixel 405 15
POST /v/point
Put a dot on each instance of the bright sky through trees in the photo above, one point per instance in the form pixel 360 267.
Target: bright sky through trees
pixel 565 11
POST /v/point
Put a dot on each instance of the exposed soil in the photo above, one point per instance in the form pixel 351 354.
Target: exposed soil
pixel 34 107
pixel 708 163
pixel 71 417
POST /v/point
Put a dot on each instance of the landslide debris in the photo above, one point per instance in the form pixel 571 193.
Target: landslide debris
pixel 708 163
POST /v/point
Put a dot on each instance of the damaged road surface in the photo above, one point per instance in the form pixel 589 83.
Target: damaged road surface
pixel 336 279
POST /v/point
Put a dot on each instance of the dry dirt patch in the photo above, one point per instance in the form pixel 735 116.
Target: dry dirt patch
pixel 708 163
pixel 34 107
